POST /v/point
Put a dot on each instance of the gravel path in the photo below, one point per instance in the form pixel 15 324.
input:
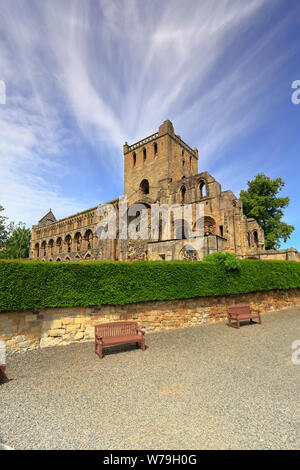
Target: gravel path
pixel 195 388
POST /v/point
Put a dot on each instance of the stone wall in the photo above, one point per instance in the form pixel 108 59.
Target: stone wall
pixel 28 330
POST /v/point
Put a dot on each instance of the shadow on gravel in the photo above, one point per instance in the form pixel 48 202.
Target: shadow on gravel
pixel 122 348
pixel 244 323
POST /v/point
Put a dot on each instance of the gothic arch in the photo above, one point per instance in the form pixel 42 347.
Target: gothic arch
pixel 207 224
pixel 77 241
pixel 36 250
pixel 255 238
pixel 201 189
pixel 59 245
pixel 183 194
pixel 188 253
pixel 88 240
pixel 144 187
pixel 51 246
pixel 68 243
pixel 249 239
pixel 44 248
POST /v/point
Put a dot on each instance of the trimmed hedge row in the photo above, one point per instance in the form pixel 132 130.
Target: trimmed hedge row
pixel 35 285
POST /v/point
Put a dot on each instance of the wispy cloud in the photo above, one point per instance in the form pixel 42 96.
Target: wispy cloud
pixel 104 72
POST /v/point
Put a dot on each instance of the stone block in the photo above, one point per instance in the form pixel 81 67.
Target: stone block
pixel 79 335
pixel 57 332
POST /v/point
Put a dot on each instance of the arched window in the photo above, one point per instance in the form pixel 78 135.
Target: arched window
pixel 190 163
pixel 182 194
pixel 188 253
pixel 36 250
pixel 255 238
pixel 77 241
pixel 133 159
pixel 249 239
pixel 48 222
pixel 207 225
pixel 58 259
pixel 144 154
pixel 58 246
pixel 51 246
pixel 44 249
pixel 144 187
pixel 155 149
pixel 88 240
pixel 183 162
pixel 181 229
pixel 68 243
pixel 202 189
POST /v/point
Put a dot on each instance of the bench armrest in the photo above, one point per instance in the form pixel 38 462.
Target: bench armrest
pixel 140 331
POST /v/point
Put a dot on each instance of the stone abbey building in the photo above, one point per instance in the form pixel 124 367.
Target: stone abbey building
pixel 162 169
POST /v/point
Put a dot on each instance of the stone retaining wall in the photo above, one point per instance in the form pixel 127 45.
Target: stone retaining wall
pixel 28 330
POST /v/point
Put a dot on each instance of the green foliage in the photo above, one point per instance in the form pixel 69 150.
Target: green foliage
pixel 228 260
pixel 4 230
pixel 14 239
pixel 260 201
pixel 26 285
pixel 17 245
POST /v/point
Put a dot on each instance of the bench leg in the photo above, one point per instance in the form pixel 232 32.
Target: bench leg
pixel 259 319
pixel 2 374
pixel 98 350
pixel 143 344
pixel 238 323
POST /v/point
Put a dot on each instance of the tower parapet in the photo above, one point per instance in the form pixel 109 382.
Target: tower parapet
pixel 162 155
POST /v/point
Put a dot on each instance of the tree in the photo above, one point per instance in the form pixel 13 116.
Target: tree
pixel 3 229
pixel 17 246
pixel 260 201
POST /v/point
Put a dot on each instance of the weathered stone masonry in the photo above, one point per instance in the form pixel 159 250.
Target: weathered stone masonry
pixel 23 331
pixel 162 169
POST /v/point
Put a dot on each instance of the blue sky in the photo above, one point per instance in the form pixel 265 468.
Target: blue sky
pixel 83 77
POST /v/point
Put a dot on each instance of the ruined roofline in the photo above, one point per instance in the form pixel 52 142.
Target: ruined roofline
pixel 75 215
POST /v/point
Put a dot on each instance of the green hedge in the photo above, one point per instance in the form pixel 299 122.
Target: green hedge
pixel 36 285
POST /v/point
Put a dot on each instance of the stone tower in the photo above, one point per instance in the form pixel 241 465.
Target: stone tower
pixel 162 156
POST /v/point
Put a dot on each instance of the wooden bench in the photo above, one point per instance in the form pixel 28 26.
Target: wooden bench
pixel 241 312
pixel 2 374
pixel 111 334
